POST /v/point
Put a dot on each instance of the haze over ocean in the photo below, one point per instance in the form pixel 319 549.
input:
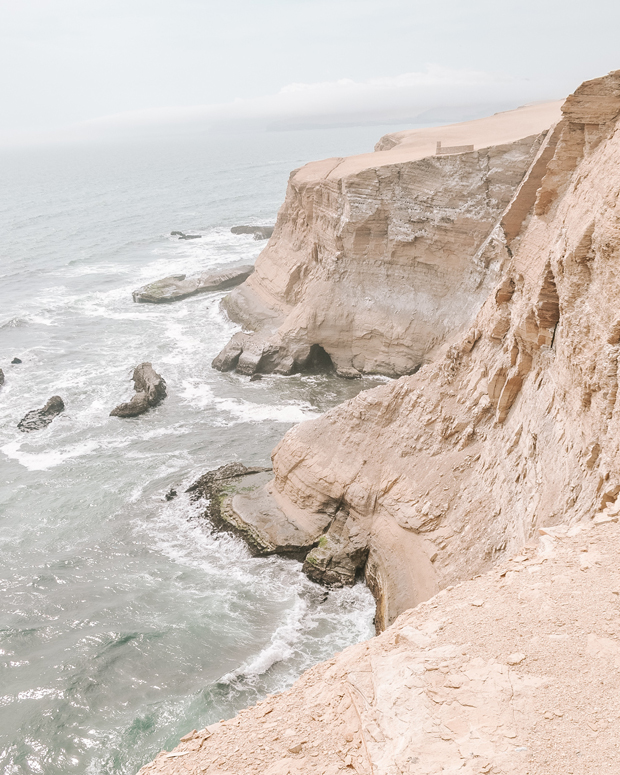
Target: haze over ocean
pixel 126 620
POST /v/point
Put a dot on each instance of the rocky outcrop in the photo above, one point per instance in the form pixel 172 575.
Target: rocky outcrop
pixel 514 673
pixel 179 286
pixel 259 232
pixel 376 259
pixel 41 418
pixel 150 390
pixel 182 235
pixel 218 488
pixel 515 426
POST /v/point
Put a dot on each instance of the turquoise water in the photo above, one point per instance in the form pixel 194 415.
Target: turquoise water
pixel 125 621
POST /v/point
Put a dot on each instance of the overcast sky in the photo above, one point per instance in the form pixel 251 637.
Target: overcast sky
pixel 65 62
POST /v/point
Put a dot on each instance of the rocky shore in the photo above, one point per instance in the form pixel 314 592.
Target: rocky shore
pixel 479 495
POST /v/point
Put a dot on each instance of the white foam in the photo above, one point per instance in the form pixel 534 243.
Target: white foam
pixel 202 396
pixel 43 461
pixel 280 648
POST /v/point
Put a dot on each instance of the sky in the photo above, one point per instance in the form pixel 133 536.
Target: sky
pixel 97 66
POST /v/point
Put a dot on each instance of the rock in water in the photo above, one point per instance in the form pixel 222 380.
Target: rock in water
pixel 259 232
pixel 41 418
pixel 179 286
pixel 1 377
pixel 15 361
pixel 182 235
pixel 150 389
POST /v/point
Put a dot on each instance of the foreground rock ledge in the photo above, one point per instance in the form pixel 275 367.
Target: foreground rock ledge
pixel 513 673
pixel 179 286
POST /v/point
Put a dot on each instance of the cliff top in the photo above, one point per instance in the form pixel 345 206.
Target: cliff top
pixel 412 144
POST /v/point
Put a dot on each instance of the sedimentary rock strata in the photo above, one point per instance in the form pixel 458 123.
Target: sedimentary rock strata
pixel 150 390
pixel 41 418
pixel 376 259
pixel 179 286
pixel 515 426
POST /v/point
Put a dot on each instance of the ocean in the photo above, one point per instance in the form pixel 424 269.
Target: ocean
pixel 125 619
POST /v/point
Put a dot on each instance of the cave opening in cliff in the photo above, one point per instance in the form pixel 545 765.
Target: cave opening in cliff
pixel 319 359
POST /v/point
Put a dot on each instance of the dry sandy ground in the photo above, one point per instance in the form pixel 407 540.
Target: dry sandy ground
pixel 514 672
pixel 412 144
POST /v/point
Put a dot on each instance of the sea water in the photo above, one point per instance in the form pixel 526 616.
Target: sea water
pixel 125 619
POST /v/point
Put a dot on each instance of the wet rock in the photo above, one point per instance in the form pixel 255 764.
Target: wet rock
pixel 259 232
pixel 150 390
pixel 41 418
pixel 1 377
pixel 171 494
pixel 219 486
pixel 15 361
pixel 182 235
pixel 179 286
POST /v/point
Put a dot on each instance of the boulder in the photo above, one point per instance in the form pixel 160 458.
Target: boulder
pixel 259 232
pixel 41 418
pixel 1 377
pixel 150 390
pixel 179 286
pixel 15 361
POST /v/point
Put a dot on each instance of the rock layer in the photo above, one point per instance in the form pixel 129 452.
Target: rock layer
pixel 179 286
pixel 150 390
pixel 376 259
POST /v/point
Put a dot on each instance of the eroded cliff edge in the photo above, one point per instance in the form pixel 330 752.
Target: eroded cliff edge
pixel 429 479
pixel 376 259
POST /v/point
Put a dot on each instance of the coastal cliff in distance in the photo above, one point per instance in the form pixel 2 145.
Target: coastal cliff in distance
pixel 482 495
pixel 376 259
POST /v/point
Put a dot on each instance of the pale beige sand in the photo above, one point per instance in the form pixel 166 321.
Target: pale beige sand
pixel 415 144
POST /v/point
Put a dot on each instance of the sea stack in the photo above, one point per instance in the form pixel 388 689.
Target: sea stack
pixel 150 390
pixel 41 418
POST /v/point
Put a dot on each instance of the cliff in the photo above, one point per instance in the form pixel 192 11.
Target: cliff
pixel 431 478
pixel 512 673
pixel 497 463
pixel 376 259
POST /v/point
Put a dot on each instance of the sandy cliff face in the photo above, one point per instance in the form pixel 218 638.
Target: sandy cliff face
pixel 436 475
pixel 376 259
pixel 512 673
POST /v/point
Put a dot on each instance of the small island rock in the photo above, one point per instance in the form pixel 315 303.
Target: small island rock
pixel 41 418
pixel 150 390
pixel 179 286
